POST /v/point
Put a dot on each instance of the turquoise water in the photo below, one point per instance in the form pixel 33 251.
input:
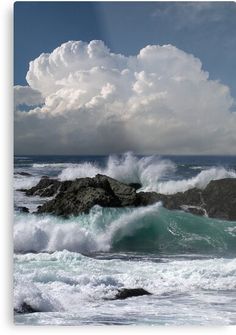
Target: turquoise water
pixel 71 269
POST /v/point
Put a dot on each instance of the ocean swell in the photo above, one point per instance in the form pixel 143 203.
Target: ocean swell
pixel 150 229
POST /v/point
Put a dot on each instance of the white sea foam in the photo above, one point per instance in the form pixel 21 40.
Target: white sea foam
pixel 151 172
pixel 199 181
pixel 25 182
pixel 51 165
pixel 84 234
pixel 127 168
pixel 63 281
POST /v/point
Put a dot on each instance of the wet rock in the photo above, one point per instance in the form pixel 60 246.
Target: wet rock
pixel 136 186
pixel 220 199
pixel 25 309
pixel 45 188
pixel 195 210
pixel 131 292
pixel 74 197
pixel 23 209
pixel 80 195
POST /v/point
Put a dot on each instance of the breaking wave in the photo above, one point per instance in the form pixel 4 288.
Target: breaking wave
pixel 151 172
pixel 199 181
pixel 149 229
pixel 126 168
pixel 64 279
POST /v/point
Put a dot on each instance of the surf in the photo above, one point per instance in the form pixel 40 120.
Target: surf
pixel 146 229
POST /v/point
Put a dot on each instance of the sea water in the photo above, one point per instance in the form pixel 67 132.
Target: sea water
pixel 71 269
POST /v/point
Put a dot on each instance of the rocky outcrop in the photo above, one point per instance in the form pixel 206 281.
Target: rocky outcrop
pixel 45 188
pixel 80 195
pixel 131 292
pixel 217 200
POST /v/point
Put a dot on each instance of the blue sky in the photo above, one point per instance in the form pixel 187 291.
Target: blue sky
pixel 206 30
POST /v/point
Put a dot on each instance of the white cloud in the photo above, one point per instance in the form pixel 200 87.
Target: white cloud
pixel 98 102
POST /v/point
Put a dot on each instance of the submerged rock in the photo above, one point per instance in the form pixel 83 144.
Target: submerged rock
pixel 73 197
pixel 23 209
pixel 25 309
pixel 131 292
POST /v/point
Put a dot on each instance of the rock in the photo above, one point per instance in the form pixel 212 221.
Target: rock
pixel 78 196
pixel 136 186
pixel 149 198
pixel 23 209
pixel 131 292
pixel 25 174
pixel 25 309
pixel 45 188
pixel 194 210
pixel 220 199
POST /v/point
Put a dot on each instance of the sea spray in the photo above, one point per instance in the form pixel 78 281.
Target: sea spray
pixel 126 168
pixel 187 262
pixel 199 181
pixel 152 172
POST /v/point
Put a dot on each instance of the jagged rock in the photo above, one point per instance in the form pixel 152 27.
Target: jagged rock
pixel 25 309
pixel 45 188
pixel 136 186
pixel 131 292
pixel 220 199
pixel 78 196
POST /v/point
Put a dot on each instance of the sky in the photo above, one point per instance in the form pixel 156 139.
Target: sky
pixel 99 78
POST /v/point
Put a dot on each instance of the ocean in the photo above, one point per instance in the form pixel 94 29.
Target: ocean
pixel 71 269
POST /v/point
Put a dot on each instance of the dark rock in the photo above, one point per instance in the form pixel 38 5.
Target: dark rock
pixel 45 188
pixel 25 174
pixel 194 210
pixel 136 186
pixel 218 200
pixel 25 309
pixel 149 198
pixel 131 292
pixel 80 195
pixel 23 209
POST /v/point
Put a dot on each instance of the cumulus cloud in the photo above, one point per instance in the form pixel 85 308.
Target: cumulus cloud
pixel 95 101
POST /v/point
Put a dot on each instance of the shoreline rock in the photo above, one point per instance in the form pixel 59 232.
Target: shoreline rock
pixel 25 309
pixel 73 197
pixel 130 292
